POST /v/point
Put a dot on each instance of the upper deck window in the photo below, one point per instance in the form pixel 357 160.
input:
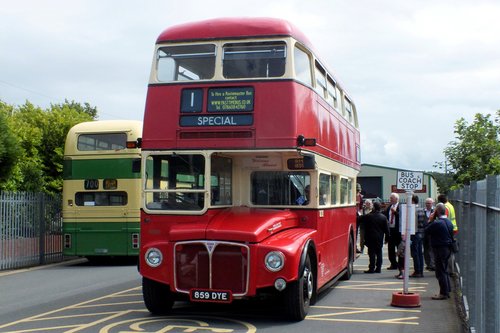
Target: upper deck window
pixel 320 80
pixel 186 62
pixel 348 109
pixel 332 92
pixel 105 141
pixel 302 66
pixel 254 60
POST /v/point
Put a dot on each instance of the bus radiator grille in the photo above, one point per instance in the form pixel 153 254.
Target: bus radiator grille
pixel 211 265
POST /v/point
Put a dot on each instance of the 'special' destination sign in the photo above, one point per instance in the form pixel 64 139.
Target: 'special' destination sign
pixel 217 120
pixel 239 99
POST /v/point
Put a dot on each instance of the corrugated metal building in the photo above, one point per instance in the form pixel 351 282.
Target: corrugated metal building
pixel 380 181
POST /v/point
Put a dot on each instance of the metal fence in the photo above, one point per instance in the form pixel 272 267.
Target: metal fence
pixel 478 216
pixel 30 229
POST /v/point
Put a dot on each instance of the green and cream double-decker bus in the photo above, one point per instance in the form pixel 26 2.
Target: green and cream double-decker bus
pixel 102 189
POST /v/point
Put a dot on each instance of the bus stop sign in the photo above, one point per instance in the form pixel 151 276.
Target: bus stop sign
pixel 409 180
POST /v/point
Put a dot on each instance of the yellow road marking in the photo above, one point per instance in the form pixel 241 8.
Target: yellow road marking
pixel 365 309
pixel 102 320
pixel 342 313
pixel 366 285
pixel 366 321
pixel 67 308
pixel 43 329
pixel 397 320
pixel 352 310
pixel 106 304
pixel 136 324
pixel 130 295
pixel 35 268
pixel 74 316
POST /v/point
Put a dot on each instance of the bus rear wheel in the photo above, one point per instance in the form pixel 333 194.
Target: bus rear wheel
pixel 350 264
pixel 299 294
pixel 157 297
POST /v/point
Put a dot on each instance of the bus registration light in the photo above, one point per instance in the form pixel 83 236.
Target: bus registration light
pixel 303 141
pixel 274 261
pixel 132 144
pixel 153 257
pixel 67 241
pixel 135 241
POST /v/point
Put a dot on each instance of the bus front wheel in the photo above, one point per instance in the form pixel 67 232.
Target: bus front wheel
pixel 299 294
pixel 157 297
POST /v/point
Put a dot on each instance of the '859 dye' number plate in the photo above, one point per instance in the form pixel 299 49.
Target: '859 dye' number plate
pixel 203 295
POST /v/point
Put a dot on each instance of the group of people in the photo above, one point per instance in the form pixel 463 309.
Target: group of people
pixel 430 244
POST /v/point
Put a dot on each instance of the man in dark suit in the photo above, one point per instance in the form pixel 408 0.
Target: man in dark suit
pixel 428 254
pixel 392 214
pixel 375 227
pixel 441 233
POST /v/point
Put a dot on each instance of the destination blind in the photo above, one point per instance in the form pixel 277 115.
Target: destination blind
pixel 227 102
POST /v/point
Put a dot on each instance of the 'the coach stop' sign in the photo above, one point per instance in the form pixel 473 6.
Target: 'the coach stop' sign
pixel 409 180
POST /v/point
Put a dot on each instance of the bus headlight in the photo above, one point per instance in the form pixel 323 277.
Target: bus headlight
pixel 274 261
pixel 153 257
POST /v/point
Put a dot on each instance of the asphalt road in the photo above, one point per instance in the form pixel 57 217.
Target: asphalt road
pixel 78 296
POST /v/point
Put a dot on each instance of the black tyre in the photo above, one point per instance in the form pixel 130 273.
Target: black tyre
pixel 157 297
pixel 350 263
pixel 298 295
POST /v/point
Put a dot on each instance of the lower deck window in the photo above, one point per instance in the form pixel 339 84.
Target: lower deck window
pixel 175 182
pixel 280 188
pixel 101 198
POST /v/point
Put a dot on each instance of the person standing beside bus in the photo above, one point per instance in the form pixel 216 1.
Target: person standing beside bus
pixel 359 206
pixel 441 231
pixel 450 214
pixel 392 214
pixel 428 254
pixel 375 227
pixel 417 240
pixel 450 211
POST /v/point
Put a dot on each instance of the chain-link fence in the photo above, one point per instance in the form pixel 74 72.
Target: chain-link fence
pixel 477 208
pixel 30 229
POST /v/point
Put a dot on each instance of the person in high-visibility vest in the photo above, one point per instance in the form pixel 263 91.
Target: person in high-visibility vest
pixel 450 211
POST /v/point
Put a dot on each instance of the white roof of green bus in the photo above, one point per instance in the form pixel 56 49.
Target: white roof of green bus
pixel 133 128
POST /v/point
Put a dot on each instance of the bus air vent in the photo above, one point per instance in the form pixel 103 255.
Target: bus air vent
pixel 216 135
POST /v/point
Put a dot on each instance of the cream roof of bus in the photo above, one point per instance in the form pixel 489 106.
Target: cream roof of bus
pixel 232 28
pixel 133 128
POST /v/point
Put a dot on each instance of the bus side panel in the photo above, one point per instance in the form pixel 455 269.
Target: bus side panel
pixel 332 239
pixel 339 223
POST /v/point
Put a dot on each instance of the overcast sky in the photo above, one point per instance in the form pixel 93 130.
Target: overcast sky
pixel 413 67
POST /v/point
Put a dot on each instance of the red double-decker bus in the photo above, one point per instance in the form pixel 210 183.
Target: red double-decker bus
pixel 250 154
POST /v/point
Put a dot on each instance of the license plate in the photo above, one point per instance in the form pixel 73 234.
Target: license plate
pixel 203 295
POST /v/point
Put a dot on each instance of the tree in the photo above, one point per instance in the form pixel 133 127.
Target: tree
pixel 9 150
pixel 444 181
pixel 65 115
pixel 41 135
pixel 476 151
